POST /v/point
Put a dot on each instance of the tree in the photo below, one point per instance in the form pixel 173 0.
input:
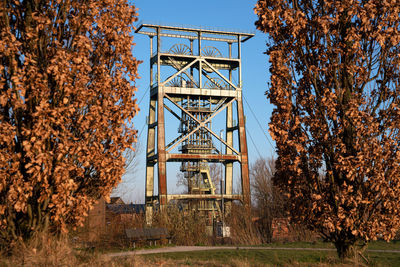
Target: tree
pixel 269 203
pixel 66 103
pixel 334 82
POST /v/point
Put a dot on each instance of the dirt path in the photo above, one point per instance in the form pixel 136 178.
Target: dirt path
pixel 196 248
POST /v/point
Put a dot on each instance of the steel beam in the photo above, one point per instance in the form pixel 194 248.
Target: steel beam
pixel 179 72
pixel 208 157
pixel 200 62
pixel 161 153
pixel 244 164
pixel 162 159
pixel 218 63
pixel 240 62
pixel 150 150
pixel 183 91
pixel 195 30
pixel 202 124
pixel 220 75
pixel 229 139
pixel 203 197
pixel 190 37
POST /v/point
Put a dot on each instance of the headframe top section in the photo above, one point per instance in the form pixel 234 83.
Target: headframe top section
pixel 193 33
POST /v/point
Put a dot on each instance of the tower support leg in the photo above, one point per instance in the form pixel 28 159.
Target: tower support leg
pixel 150 152
pixel 162 157
pixel 244 165
pixel 229 166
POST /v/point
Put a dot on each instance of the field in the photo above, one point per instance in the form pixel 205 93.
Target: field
pixel 60 253
pixel 279 257
pixel 266 258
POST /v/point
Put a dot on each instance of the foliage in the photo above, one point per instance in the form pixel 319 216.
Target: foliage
pixel 66 104
pixel 334 81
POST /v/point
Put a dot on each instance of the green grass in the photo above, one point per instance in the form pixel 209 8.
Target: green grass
pixel 268 258
pixel 252 257
pixel 318 244
pixel 393 245
pixel 276 257
pixel 381 245
pixel 384 259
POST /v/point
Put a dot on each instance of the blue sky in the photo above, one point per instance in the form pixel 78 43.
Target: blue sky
pixel 223 14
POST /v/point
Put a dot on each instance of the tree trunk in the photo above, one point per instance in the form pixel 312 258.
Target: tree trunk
pixel 346 250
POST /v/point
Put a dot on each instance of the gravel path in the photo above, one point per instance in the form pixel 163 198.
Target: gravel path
pixel 196 248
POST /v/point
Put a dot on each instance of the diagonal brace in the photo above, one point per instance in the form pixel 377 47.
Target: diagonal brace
pixel 187 75
pixel 222 141
pixel 203 124
pixel 219 74
pixel 179 72
pixel 218 111
pixel 183 139
pixel 172 112
pixel 184 110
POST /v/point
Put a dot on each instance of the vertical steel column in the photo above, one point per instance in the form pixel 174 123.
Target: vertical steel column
pixel 200 62
pixel 229 141
pixel 151 65
pixel 244 164
pixel 150 150
pixel 161 159
pixel 240 62
pixel 192 53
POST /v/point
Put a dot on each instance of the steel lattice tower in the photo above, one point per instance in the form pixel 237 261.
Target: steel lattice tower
pixel 200 81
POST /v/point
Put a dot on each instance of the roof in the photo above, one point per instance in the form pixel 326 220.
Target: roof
pixel 116 200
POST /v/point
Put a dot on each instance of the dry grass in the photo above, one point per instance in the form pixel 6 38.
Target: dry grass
pixel 189 228
pixel 45 250
pixel 42 250
pixel 185 227
pixel 243 230
pixel 110 236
